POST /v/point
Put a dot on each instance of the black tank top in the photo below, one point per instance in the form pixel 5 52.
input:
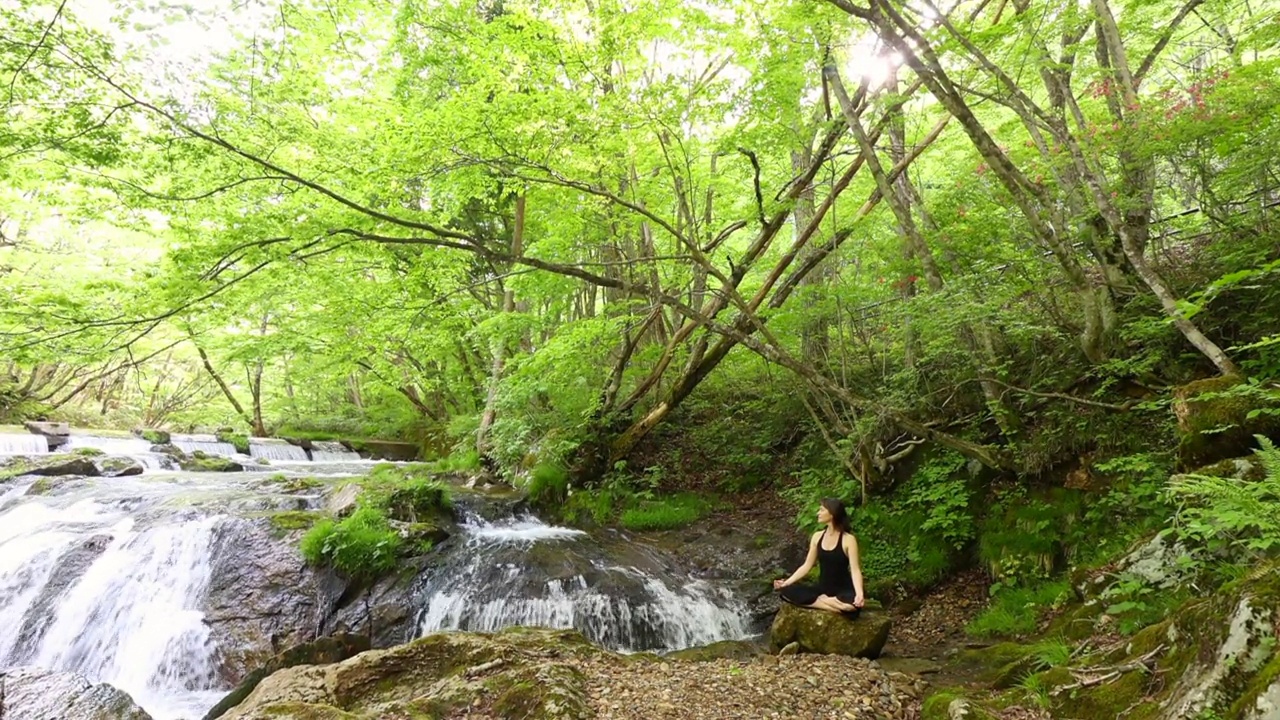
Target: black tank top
pixel 833 566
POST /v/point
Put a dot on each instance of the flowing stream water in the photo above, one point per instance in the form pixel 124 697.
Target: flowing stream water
pixel 109 578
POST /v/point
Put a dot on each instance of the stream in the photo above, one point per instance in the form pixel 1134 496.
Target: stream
pixel 170 584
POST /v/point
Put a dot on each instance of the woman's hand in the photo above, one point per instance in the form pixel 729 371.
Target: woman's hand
pixel 859 601
pixel 779 584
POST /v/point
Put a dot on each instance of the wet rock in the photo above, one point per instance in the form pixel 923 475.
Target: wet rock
pixel 824 632
pixel 516 673
pixel 343 502
pixel 262 596
pixel 169 449
pixel 384 611
pixel 48 466
pixel 384 449
pixel 38 694
pixel 42 612
pixel 202 462
pixel 324 651
pixel 117 466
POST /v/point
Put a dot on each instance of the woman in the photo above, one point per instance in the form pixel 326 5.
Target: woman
pixel 835 550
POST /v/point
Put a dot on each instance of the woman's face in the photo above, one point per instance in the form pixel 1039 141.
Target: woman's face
pixel 824 515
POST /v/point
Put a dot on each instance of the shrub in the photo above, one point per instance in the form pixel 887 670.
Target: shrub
pixel 669 513
pixel 1240 514
pixel 548 485
pixel 1017 610
pixel 361 546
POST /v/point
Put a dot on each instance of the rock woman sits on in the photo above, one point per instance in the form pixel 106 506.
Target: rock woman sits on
pixel 835 551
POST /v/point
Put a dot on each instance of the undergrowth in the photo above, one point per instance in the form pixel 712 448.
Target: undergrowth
pixel 362 545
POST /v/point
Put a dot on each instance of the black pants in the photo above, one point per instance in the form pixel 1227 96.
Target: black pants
pixel 804 595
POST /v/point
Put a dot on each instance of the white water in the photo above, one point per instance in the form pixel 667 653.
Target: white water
pixel 524 572
pixel 276 450
pixel 330 451
pixel 109 445
pixel 207 444
pixel 23 444
pixel 130 618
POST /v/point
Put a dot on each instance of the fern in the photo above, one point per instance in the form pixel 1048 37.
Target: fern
pixel 1239 513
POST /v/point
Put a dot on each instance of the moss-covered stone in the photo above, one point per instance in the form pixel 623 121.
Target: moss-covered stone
pixel 201 462
pixel 818 631
pixel 87 452
pixel 725 649
pixel 292 520
pixel 238 440
pixel 155 437
pixel 48 466
pixel 326 650
pixel 953 705
pixel 1213 418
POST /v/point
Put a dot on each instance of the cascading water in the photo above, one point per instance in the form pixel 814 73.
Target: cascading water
pixel 276 450
pixel 618 593
pixel 203 443
pixel 136 448
pixel 86 586
pixel 330 451
pixel 23 444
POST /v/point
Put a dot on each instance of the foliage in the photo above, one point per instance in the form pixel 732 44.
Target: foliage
pixel 667 513
pixel 1226 512
pixel 1016 610
pixel 362 545
pixel 548 485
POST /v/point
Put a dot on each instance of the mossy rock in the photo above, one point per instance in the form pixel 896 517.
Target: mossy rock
pixel 819 631
pixel 202 462
pixel 1122 697
pixel 953 705
pixel 1213 418
pixel 45 486
pixel 87 452
pixel 155 437
pixel 723 650
pixel 323 651
pixel 292 520
pixel 238 440
pixel 48 466
pixel 118 466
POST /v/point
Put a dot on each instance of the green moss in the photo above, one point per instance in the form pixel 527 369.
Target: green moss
pixel 239 440
pixel 668 513
pixel 1261 681
pixel 88 452
pixel 155 437
pixel 44 486
pixel 1108 700
pixel 1017 610
pixel 938 705
pixel 306 711
pixel 291 520
pixel 200 462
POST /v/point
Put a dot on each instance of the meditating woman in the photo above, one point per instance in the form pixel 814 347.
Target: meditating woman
pixel 835 550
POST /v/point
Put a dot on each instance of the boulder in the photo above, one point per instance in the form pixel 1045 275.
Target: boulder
pixel 262 596
pixel 384 450
pixel 117 466
pixel 203 462
pixel 819 631
pixel 324 651
pixel 518 673
pixel 38 694
pixel 155 437
pixel 343 502
pixel 169 449
pixel 48 466
pixel 1216 418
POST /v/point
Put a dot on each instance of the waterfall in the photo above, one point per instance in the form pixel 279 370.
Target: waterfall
pixel 132 447
pixel 23 444
pixel 619 594
pixel 276 450
pixel 330 451
pixel 84 588
pixel 203 443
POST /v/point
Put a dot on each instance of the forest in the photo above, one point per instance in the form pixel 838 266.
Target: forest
pixel 1003 276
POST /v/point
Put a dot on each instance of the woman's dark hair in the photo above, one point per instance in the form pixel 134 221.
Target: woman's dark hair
pixel 839 516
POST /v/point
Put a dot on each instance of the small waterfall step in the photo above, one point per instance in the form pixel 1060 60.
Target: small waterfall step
pixel 207 444
pixel 331 451
pixel 23 444
pixel 276 450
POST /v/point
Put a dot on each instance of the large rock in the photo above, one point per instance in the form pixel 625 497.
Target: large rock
pixel 155 437
pixel 384 449
pixel 43 610
pixel 519 673
pixel 203 462
pixel 49 466
pixel 1216 418
pixel 38 694
pixel 819 631
pixel 324 651
pixel 117 466
pixel 262 597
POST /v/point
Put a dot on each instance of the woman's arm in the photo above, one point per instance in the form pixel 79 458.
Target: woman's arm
pixel 809 562
pixel 855 569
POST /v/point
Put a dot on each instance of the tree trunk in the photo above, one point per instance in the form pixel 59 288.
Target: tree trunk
pixel 499 346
